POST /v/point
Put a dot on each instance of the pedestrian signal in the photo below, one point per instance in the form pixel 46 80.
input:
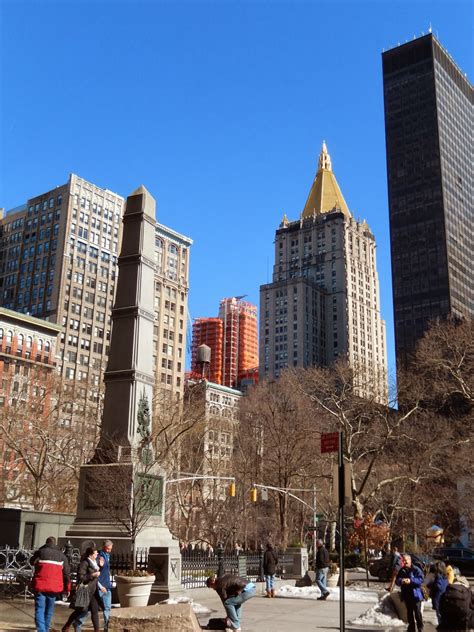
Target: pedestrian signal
pixel 253 494
pixel 232 490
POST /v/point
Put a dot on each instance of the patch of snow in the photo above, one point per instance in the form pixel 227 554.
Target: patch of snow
pixel 313 592
pixel 197 607
pixel 382 614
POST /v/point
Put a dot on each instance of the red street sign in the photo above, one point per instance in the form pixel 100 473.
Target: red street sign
pixel 329 442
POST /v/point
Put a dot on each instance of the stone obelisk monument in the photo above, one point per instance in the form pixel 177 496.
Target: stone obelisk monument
pixel 124 454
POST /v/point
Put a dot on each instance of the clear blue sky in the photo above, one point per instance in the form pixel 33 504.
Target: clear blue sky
pixel 218 108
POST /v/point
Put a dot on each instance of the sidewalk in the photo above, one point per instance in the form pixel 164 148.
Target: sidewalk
pixel 259 614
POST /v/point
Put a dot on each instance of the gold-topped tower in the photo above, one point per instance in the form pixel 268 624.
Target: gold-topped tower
pixel 325 195
pixel 324 302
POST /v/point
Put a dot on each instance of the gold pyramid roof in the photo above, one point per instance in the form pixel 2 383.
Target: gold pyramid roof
pixel 325 195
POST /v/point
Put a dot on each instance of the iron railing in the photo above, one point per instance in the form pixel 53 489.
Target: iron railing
pixel 16 570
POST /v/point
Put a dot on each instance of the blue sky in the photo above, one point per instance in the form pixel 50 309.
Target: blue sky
pixel 218 108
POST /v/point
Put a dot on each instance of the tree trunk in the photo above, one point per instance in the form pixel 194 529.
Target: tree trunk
pixel 283 502
pixel 332 537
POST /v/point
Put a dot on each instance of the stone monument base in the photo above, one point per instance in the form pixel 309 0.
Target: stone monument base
pixel 164 618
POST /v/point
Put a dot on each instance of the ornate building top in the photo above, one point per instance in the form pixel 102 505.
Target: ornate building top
pixel 325 195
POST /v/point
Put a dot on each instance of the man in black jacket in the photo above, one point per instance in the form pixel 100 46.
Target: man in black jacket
pixel 233 591
pixel 322 568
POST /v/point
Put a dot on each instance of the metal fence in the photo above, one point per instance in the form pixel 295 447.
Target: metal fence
pixel 197 566
pixel 16 570
pixel 124 561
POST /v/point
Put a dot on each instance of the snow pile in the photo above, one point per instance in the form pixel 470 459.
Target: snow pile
pixel 197 607
pixel 312 592
pixel 382 614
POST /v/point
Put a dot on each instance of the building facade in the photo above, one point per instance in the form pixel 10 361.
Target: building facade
pixel 429 130
pixel 233 340
pixel 172 252
pixel 58 262
pixel 323 302
pixel 28 365
pixel 201 484
pixel 210 332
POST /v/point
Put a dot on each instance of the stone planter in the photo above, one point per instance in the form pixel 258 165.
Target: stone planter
pixel 333 580
pixel 134 591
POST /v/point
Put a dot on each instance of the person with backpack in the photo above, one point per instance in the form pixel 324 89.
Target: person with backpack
pixel 51 577
pixel 456 606
pixel 410 579
pixel 437 584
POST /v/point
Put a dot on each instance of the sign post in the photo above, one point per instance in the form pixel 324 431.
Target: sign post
pixel 334 442
pixel 341 477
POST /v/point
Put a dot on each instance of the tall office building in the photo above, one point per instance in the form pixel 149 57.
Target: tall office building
pixel 171 309
pixel 233 340
pixel 323 302
pixel 58 261
pixel 429 132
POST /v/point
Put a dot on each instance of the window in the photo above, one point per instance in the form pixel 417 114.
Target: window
pixel 21 341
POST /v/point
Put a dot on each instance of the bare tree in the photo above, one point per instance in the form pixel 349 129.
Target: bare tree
pixel 42 454
pixel 277 429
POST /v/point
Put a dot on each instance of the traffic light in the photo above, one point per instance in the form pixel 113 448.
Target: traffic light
pixel 253 495
pixel 232 490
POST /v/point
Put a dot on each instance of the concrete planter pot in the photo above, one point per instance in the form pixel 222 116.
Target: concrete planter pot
pixel 134 591
pixel 333 580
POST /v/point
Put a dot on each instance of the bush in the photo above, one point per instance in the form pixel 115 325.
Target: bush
pixel 133 573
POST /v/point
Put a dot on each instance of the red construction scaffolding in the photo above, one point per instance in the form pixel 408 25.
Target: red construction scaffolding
pixel 210 332
pixel 240 338
pixel 233 340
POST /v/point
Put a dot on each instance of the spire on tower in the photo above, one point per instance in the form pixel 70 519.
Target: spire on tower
pixel 284 222
pixel 325 195
pixel 324 159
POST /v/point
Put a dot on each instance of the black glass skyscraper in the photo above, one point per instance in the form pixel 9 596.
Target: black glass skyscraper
pixel 429 136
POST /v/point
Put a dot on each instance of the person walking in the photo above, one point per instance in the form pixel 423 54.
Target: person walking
pixel 105 590
pixel 395 565
pixel 437 584
pixel 410 579
pixel 51 577
pixel 270 561
pixel 88 574
pixel 322 568
pixel 233 591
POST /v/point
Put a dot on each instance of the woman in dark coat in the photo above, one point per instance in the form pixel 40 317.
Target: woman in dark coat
pixel 88 574
pixel 270 561
pixel 437 585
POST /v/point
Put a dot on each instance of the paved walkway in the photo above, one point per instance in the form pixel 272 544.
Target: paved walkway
pixel 259 614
